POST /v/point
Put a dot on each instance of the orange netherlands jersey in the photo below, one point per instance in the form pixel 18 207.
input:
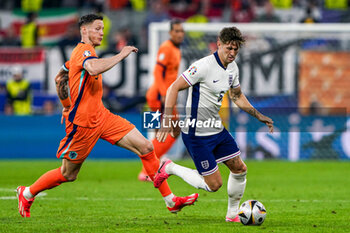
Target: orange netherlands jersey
pixel 166 69
pixel 87 109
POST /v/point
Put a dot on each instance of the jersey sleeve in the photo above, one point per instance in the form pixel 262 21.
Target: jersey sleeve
pixel 163 56
pixel 85 53
pixel 235 82
pixel 65 66
pixel 195 73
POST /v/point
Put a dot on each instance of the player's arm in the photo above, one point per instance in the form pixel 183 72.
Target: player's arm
pixel 61 81
pixel 159 79
pixel 98 66
pixel 237 96
pixel 170 101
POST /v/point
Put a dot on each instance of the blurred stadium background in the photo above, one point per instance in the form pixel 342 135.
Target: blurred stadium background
pixel 294 67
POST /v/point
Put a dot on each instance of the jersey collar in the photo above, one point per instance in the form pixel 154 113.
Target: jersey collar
pixel 216 55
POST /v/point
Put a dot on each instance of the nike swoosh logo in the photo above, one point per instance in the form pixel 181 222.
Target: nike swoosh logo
pixel 215 81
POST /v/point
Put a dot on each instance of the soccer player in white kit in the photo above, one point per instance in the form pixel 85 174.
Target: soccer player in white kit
pixel 208 79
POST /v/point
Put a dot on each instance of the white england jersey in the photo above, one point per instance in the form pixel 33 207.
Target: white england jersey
pixel 209 81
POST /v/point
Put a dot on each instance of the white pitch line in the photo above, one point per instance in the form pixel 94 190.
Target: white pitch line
pixel 44 197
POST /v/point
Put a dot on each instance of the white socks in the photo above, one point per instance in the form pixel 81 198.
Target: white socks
pixel 27 194
pixel 190 176
pixel 235 189
pixel 169 200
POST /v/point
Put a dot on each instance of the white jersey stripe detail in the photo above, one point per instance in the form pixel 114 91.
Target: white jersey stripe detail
pixel 211 171
pixel 189 83
pixel 223 159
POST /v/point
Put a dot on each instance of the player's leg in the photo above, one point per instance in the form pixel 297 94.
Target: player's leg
pixel 73 150
pixel 207 176
pixel 235 185
pixel 190 176
pixel 136 142
pixel 161 148
pixel 120 132
pixel 228 153
pixel 67 172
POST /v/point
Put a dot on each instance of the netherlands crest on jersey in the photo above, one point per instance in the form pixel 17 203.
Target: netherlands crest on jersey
pixel 87 53
pixel 192 70
pixel 230 79
pixel 205 164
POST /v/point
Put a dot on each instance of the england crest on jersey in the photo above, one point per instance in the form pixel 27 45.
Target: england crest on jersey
pixel 205 164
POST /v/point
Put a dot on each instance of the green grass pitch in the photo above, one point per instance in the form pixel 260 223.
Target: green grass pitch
pixel 107 197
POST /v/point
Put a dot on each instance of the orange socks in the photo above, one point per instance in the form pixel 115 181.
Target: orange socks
pixel 151 164
pixel 49 180
pixel 160 148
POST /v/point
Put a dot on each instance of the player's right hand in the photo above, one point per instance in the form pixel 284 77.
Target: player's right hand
pixel 164 131
pixel 127 50
pixel 65 112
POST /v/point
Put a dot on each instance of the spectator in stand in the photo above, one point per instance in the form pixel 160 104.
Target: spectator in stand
pixel 183 9
pixel 213 9
pixel 118 4
pixel 268 15
pixel 29 31
pixel 71 38
pixel 242 11
pixel 18 90
pixel 10 38
pixel 122 38
pixel 157 13
pixel 49 107
pixel 309 18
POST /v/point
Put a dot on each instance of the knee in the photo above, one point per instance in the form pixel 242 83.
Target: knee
pixel 215 186
pixel 240 169
pixel 146 148
pixel 70 176
pixel 243 168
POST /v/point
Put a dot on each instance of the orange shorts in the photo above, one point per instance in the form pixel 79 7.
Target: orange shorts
pixel 79 141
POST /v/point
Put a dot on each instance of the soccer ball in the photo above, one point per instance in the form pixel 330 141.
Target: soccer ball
pixel 252 212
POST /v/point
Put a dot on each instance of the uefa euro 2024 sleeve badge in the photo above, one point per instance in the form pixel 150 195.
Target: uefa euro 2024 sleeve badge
pixel 192 70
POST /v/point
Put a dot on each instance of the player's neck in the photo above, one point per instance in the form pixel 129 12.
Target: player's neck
pixel 86 41
pixel 176 45
pixel 222 60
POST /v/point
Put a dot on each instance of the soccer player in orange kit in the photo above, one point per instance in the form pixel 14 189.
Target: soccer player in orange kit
pixel 165 73
pixel 87 120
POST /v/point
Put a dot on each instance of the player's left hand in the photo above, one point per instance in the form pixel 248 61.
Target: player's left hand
pixel 268 121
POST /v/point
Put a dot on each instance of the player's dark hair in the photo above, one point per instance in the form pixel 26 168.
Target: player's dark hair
pixel 90 18
pixel 173 22
pixel 231 34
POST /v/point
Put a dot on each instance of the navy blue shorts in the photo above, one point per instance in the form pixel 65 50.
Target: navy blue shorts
pixel 208 151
